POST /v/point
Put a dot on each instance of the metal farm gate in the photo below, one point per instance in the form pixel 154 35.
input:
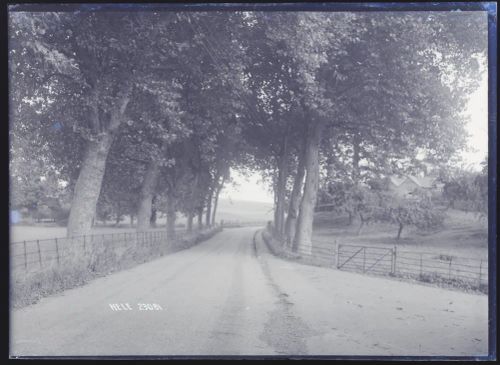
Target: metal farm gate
pixel 379 260
pixel 424 266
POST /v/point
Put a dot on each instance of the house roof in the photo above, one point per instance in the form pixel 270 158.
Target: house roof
pixel 424 182
pixel 396 180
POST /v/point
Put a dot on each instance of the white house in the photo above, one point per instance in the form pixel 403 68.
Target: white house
pixel 407 184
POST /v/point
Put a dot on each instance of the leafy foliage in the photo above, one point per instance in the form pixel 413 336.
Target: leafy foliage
pixel 200 93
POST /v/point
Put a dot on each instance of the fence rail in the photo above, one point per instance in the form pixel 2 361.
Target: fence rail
pixel 423 266
pixel 35 255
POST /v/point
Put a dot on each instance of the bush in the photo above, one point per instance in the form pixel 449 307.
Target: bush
pixel 466 285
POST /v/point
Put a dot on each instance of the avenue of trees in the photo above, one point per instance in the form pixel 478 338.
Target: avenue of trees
pixel 147 112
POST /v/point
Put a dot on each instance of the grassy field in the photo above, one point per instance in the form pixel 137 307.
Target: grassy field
pixel 245 211
pixel 236 210
pixel 463 234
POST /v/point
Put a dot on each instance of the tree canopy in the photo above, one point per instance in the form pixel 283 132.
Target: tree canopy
pixel 133 108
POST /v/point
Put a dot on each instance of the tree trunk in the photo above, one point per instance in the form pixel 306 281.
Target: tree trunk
pixel 154 212
pixel 216 200
pixel 400 230
pixel 88 186
pixel 146 197
pixel 356 141
pixel 281 189
pixel 355 159
pixel 152 220
pixel 190 217
pixel 171 216
pixel 361 224
pixel 200 218
pixel 293 208
pixel 209 209
pixel 131 220
pixel 303 236
pixel 195 196
pixel 89 182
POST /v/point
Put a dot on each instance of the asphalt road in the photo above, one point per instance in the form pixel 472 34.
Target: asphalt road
pixel 230 296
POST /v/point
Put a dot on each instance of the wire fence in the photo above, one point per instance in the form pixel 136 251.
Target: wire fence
pixel 36 255
pixel 464 272
pixel 424 266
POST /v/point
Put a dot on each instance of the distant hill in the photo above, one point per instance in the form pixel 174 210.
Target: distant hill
pixel 241 210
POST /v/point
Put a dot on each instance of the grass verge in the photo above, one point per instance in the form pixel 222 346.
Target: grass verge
pixel 277 249
pixel 78 267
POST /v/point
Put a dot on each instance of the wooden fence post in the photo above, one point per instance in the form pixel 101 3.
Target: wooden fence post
pixel 39 252
pixel 57 251
pixel 336 257
pixel 25 257
pixel 394 256
pixel 449 269
pixel 480 273
pixel 338 254
pixel 421 265
pixel 364 259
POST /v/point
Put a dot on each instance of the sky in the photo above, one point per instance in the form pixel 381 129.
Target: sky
pixel 477 127
pixel 251 188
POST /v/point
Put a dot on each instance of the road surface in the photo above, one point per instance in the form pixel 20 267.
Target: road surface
pixel 230 296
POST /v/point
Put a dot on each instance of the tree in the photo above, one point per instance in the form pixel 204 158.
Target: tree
pixel 275 128
pixel 417 109
pixel 417 210
pixel 467 190
pixel 102 56
pixel 121 185
pixel 177 99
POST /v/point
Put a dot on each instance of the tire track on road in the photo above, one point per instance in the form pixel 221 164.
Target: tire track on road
pixel 225 336
pixel 217 249
pixel 283 331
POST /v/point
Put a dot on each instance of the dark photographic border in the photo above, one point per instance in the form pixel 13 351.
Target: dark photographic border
pixel 488 7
